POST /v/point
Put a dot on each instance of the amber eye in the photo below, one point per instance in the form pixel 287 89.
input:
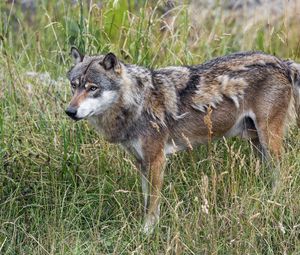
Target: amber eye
pixel 93 88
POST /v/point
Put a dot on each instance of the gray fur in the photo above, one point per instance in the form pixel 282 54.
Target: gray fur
pixel 164 94
pixel 156 112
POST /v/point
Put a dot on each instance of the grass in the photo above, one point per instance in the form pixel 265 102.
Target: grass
pixel 64 190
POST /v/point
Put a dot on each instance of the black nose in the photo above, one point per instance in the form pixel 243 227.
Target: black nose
pixel 71 112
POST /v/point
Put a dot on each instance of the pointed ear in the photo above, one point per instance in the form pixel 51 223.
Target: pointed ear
pixel 110 61
pixel 77 56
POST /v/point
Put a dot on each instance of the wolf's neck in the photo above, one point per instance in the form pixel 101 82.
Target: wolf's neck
pixel 154 91
pixel 145 97
pixel 136 86
pixel 116 124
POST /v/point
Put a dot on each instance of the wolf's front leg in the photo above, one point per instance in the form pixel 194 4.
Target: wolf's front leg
pixel 154 171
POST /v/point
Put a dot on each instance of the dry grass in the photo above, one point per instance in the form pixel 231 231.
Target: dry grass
pixel 63 190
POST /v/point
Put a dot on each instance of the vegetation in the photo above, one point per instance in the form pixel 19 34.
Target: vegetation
pixel 64 190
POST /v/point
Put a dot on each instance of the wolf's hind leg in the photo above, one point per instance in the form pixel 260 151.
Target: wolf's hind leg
pixel 270 135
pixel 271 132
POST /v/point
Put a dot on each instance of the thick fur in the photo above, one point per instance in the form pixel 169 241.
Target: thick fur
pixel 153 113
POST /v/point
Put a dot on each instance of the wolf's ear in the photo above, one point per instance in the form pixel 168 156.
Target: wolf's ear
pixel 110 61
pixel 77 56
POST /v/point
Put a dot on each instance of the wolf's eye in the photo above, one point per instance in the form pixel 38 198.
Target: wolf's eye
pixel 93 88
pixel 73 85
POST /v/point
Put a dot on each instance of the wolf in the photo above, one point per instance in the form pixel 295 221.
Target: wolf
pixel 153 113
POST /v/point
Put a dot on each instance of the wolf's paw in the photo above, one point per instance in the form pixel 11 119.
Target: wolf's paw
pixel 149 225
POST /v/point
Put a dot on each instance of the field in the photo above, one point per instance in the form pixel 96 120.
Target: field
pixel 64 190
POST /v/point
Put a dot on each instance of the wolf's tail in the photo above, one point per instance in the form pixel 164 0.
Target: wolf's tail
pixel 295 77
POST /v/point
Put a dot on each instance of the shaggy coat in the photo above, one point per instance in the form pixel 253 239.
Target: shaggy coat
pixel 153 113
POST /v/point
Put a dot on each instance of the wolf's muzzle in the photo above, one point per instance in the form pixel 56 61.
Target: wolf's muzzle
pixel 71 112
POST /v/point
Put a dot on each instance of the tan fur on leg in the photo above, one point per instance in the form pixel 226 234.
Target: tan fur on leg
pixel 155 167
pixel 271 138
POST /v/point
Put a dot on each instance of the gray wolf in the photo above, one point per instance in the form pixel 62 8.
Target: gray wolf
pixel 154 113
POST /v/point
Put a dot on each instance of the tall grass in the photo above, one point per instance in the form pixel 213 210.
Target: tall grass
pixel 64 190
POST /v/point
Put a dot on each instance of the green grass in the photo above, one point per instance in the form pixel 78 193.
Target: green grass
pixel 64 190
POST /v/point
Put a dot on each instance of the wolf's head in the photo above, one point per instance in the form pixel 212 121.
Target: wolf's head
pixel 95 83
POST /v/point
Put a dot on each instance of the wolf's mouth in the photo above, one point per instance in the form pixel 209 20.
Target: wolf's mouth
pixel 75 118
pixel 89 114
